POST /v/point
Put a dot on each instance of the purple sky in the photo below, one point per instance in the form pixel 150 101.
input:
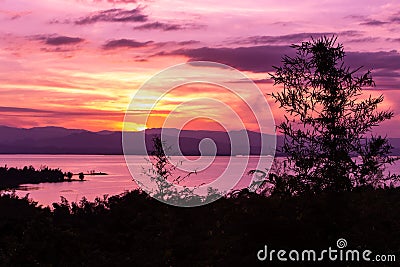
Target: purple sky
pixel 77 63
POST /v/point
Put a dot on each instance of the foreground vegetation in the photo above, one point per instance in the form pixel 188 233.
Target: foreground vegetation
pixel 327 122
pixel 134 229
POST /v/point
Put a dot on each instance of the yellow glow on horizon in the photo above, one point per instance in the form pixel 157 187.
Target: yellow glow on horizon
pixel 129 126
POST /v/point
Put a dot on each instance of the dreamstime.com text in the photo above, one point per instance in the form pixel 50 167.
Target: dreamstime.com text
pixel 338 253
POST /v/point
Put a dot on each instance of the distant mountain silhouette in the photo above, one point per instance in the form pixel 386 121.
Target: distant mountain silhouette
pixel 58 140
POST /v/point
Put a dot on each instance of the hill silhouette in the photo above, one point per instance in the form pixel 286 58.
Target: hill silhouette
pixel 58 140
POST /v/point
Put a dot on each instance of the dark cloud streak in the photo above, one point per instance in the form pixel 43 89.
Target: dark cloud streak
pixel 255 58
pixel 114 15
pixel 17 111
pixel 163 26
pixel 22 110
pixel 260 59
pixel 290 38
pixel 268 39
pixel 190 42
pixel 159 26
pixel 125 43
pixel 373 22
pixel 63 40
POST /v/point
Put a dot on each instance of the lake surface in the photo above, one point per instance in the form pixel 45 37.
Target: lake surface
pixel 119 179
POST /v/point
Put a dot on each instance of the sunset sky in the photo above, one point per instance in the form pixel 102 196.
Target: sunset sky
pixel 77 63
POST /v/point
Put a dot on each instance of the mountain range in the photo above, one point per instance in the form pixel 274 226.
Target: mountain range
pixel 58 140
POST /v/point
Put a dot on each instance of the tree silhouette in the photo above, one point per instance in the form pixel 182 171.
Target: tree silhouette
pixel 327 125
pixel 69 176
pixel 162 178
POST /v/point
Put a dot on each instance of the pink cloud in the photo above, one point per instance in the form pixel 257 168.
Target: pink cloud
pixel 84 56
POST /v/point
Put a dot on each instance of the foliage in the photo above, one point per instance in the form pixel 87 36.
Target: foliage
pixel 278 183
pixel 134 229
pixel 162 173
pixel 327 124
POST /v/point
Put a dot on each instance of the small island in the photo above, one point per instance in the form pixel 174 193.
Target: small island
pixel 12 177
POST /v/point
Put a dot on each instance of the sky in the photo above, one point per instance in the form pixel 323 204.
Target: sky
pixel 78 63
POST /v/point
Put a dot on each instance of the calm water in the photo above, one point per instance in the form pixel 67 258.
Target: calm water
pixel 119 178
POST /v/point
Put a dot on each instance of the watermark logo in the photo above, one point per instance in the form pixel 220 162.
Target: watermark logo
pixel 338 253
pixel 179 95
pixel 341 243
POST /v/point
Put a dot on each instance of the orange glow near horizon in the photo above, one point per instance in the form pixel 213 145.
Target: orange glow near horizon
pixel 202 106
pixel 59 69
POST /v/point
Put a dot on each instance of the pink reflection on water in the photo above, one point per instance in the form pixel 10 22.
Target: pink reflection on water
pixel 118 180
